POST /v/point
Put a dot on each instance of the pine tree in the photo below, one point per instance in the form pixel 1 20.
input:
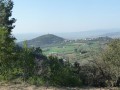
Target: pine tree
pixel 6 39
pixel 6 21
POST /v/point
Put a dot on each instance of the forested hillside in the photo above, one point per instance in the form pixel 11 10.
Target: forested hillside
pixel 44 41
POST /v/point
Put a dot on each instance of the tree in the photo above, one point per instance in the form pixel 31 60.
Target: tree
pixel 111 58
pixel 6 22
pixel 6 39
pixel 6 7
pixel 27 62
pixel 62 73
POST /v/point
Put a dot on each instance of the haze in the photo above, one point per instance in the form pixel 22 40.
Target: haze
pixel 56 16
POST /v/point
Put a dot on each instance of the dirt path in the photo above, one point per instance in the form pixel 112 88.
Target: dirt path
pixel 32 87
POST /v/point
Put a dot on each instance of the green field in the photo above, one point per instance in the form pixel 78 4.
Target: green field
pixel 75 50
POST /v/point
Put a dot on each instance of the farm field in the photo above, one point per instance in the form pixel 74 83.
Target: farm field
pixel 76 50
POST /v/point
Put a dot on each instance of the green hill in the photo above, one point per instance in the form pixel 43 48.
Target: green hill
pixel 44 41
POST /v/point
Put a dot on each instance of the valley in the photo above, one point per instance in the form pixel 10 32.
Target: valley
pixel 80 50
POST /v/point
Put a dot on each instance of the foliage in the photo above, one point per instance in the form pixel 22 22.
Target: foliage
pixel 27 62
pixel 111 58
pixel 62 73
pixel 7 54
pixel 36 80
pixel 105 69
pixel 44 41
pixel 6 21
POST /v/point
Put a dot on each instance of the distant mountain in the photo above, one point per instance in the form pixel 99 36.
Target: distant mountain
pixel 27 36
pixel 44 40
pixel 91 34
pixel 74 35
pixel 112 35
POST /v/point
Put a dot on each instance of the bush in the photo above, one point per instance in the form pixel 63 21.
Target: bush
pixel 36 80
pixel 62 73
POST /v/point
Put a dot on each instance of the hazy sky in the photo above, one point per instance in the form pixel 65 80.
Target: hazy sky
pixel 48 16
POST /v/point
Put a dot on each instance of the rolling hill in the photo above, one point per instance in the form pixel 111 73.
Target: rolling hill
pixel 44 41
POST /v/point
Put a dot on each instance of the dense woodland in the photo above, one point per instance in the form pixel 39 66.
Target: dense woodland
pixel 30 65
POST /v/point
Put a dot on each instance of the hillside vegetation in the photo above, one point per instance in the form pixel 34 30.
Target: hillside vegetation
pixel 44 41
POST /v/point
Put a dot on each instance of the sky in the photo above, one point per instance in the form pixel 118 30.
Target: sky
pixel 56 16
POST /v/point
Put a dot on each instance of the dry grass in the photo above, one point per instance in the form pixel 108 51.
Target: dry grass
pixel 23 86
